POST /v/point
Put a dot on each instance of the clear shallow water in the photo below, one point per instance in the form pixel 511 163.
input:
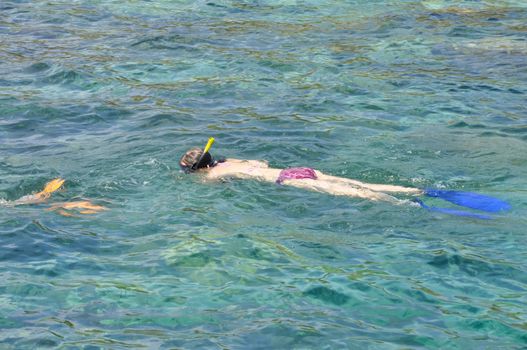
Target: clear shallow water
pixel 108 94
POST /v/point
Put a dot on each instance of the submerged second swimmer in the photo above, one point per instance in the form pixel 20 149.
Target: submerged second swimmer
pixel 63 208
pixel 201 161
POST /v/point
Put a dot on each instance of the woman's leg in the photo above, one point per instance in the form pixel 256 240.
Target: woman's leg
pixel 82 207
pixel 373 187
pixel 339 188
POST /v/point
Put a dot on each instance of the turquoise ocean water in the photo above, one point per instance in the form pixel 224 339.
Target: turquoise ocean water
pixel 108 94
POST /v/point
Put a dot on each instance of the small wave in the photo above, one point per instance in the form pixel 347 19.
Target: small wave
pixel 327 295
pixel 37 68
pixel 172 42
pixel 63 77
pixel 5 203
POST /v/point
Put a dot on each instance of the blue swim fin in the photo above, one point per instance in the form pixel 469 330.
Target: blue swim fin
pixel 470 200
pixel 453 211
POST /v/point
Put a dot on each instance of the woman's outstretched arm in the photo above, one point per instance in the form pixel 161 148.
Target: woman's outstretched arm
pixel 41 196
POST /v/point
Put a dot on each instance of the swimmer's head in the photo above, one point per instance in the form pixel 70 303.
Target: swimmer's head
pixel 193 160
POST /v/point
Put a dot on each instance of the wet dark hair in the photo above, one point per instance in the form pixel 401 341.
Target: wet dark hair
pixel 194 159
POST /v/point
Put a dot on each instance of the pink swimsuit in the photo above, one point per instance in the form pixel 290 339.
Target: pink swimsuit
pixel 296 173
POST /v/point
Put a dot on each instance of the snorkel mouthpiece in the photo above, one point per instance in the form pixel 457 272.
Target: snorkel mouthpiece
pixel 204 161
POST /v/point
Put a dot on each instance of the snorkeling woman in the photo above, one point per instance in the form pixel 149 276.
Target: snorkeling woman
pixel 197 160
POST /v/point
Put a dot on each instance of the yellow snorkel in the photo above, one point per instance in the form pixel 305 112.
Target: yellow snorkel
pixel 205 151
pixel 209 145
